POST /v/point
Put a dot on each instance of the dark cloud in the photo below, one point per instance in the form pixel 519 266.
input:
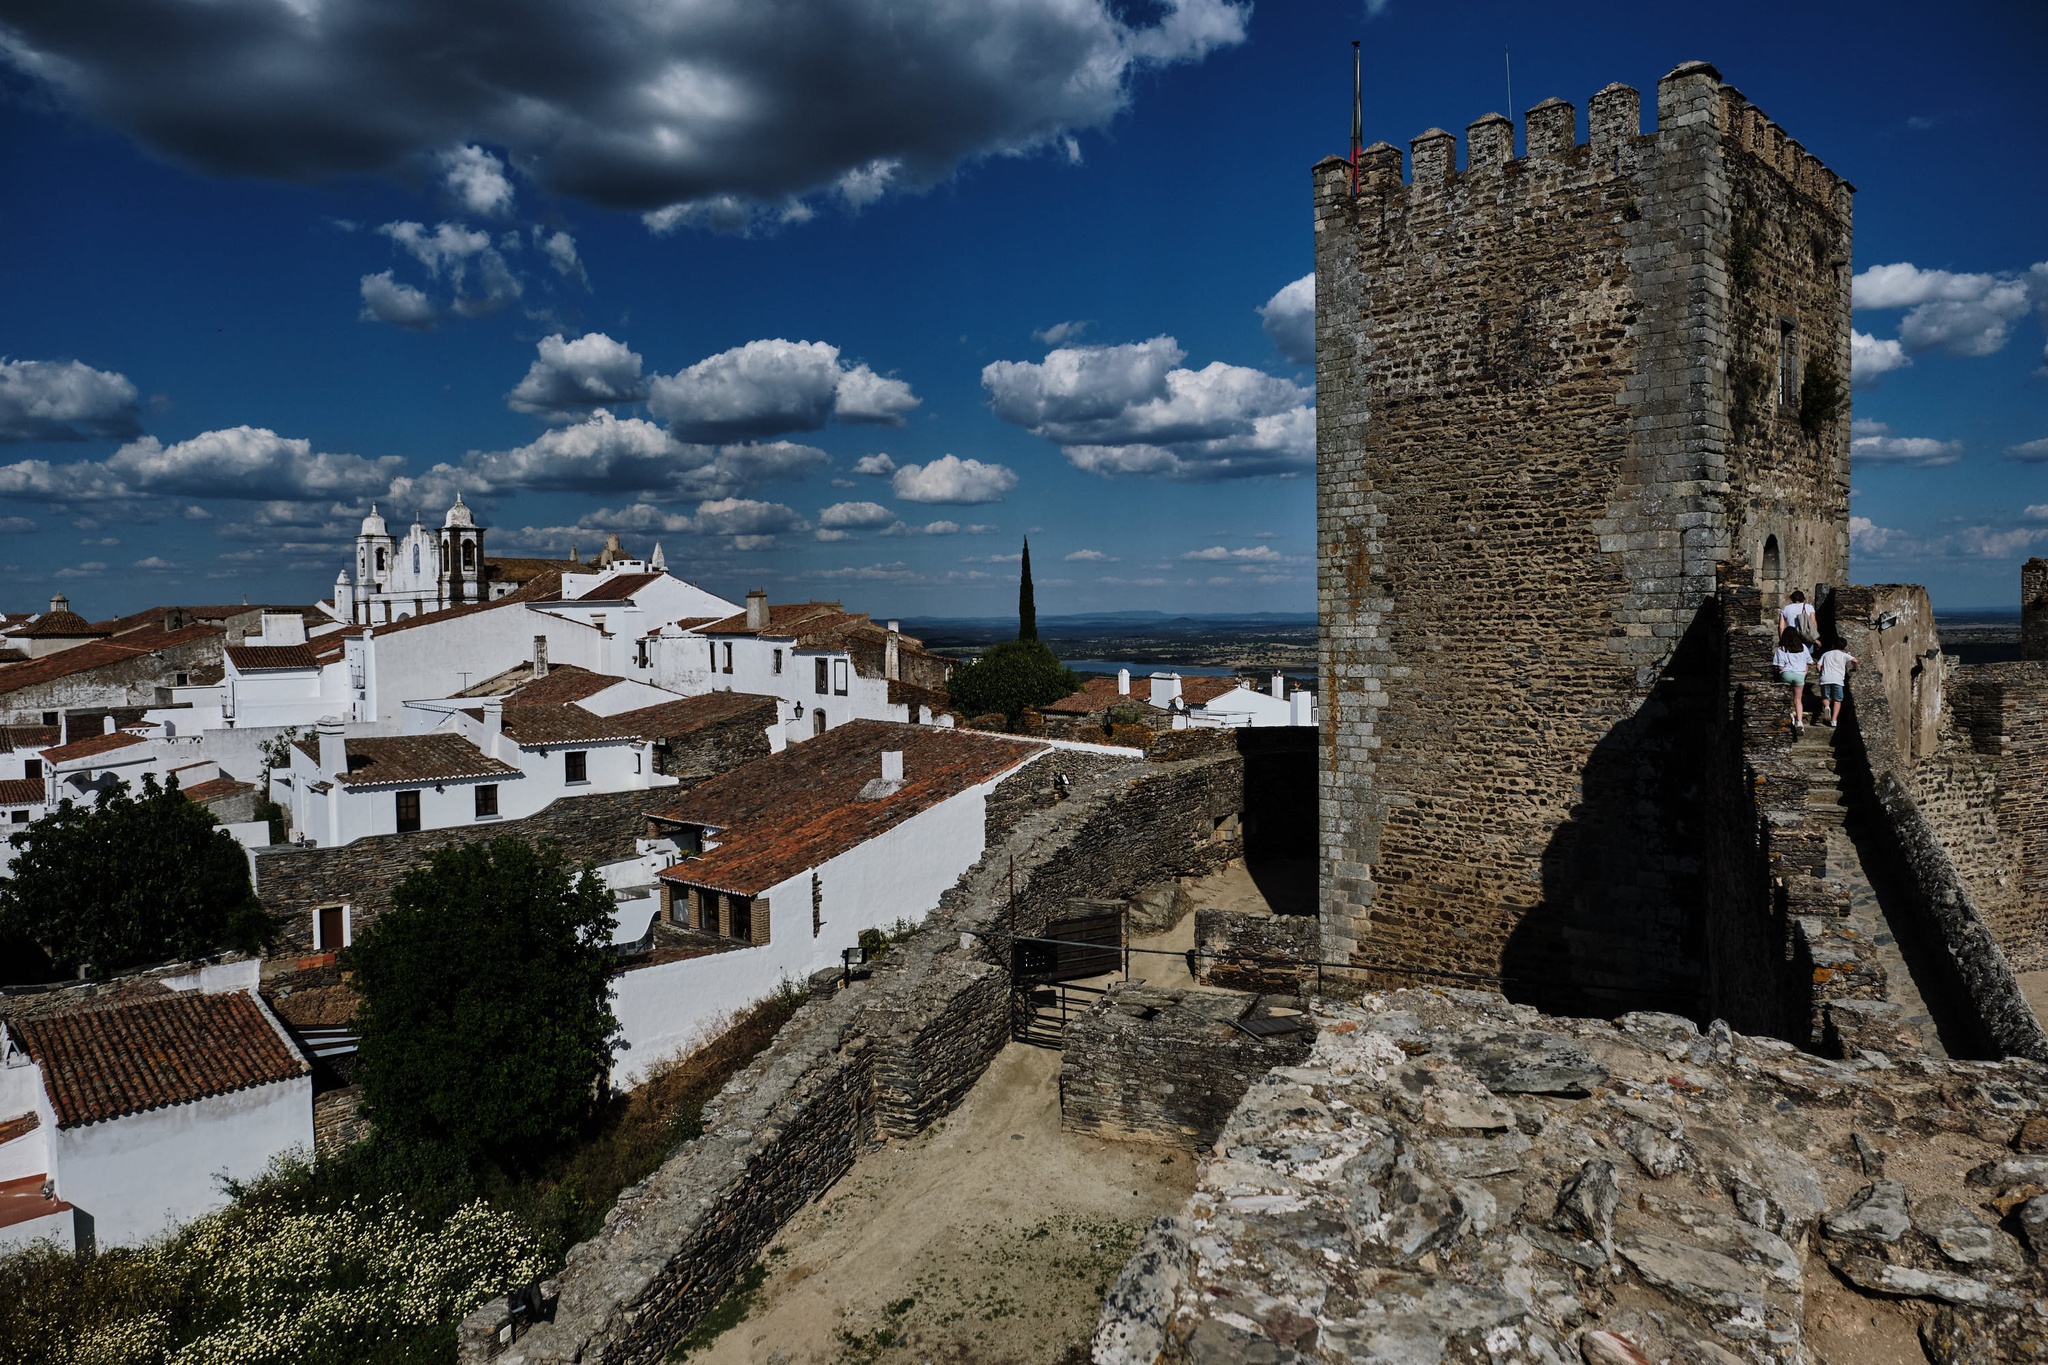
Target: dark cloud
pixel 621 103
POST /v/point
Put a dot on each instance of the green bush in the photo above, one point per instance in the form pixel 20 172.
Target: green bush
pixel 1010 677
pixel 486 1021
pixel 135 878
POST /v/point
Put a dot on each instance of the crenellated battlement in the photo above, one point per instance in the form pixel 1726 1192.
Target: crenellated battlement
pixel 1689 96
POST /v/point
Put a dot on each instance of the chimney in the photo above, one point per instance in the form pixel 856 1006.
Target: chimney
pixel 892 765
pixel 1165 687
pixel 1279 686
pixel 107 724
pixel 892 665
pixel 494 726
pixel 896 625
pixel 757 609
pixel 333 749
pixel 63 727
pixel 1123 682
pixel 1301 706
pixel 540 656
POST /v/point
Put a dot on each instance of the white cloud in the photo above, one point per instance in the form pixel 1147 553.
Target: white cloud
pixel 585 373
pixel 880 466
pixel 1871 356
pixel 863 185
pixel 1872 443
pixel 155 564
pixel 64 400
pixel 16 526
pixel 2035 512
pixel 252 463
pixel 772 386
pixel 950 479
pixel 1289 318
pixel 1060 333
pixel 1131 409
pixel 930 528
pixel 2029 452
pixel 737 518
pixel 1960 313
pixel 1090 557
pixel 606 453
pixel 475 269
pixel 386 299
pixel 477 181
pixel 844 516
pixel 1971 542
pixel 560 249
pixel 1257 554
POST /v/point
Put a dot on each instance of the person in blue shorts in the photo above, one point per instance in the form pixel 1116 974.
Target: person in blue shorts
pixel 1834 678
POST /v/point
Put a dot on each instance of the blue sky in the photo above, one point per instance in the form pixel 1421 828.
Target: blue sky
pixel 844 309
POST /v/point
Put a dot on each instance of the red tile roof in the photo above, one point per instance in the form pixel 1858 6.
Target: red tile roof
pixel 532 726
pixel 619 587
pixel 29 737
pixel 61 625
pixel 786 618
pixel 780 815
pixel 562 683
pixel 101 1064
pixel 94 745
pixel 1096 694
pixel 216 787
pixel 665 720
pixel 255 658
pixel 405 760
pixel 1196 691
pixel 84 658
pixel 23 791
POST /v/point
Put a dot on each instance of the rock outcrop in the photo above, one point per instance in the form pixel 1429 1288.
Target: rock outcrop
pixel 1449 1177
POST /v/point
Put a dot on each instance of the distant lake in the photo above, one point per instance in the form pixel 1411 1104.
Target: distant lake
pixel 1110 666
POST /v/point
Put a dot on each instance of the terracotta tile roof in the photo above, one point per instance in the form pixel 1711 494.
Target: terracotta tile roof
pixel 22 791
pixel 60 625
pixel 562 683
pixel 698 622
pixel 797 809
pixel 1096 694
pixel 84 658
pixel 535 725
pixel 518 570
pixel 216 787
pixel 619 587
pixel 787 618
pixel 255 658
pixel 91 747
pixel 402 760
pixel 209 615
pixel 20 1124
pixel 101 1064
pixel 668 719
pixel 30 737
pixel 1196 691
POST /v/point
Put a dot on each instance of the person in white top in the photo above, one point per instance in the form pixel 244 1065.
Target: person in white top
pixel 1797 615
pixel 1791 659
pixel 1834 677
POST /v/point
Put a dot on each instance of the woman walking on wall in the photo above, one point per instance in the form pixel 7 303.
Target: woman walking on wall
pixel 1792 659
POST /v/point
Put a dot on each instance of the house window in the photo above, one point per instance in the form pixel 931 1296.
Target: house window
pixel 181 680
pixel 839 677
pixel 728 658
pixel 32 769
pixel 1773 560
pixel 330 928
pixel 822 688
pixel 712 645
pixel 1788 365
pixel 636 760
pixel 49 717
pixel 597 622
pixel 778 661
pixel 487 799
pixel 742 918
pixel 576 766
pixel 408 812
pixel 19 817
pixel 818 720
pixel 707 911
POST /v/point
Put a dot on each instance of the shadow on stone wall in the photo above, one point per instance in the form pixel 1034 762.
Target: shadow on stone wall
pixel 1619 924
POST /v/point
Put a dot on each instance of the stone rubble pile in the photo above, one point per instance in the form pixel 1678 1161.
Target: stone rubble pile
pixel 1449 1177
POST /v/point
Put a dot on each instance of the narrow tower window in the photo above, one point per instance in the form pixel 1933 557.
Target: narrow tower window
pixel 1788 365
pixel 1773 562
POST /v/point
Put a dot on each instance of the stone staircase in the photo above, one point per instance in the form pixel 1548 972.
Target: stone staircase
pixel 1828 809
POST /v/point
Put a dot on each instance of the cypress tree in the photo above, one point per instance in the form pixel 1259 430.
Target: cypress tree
pixel 1027 605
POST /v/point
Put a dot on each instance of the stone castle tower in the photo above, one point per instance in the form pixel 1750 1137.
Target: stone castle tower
pixel 1557 394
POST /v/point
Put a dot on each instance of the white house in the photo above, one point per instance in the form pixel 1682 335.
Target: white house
pixel 791 856
pixel 1201 702
pixel 117 1123
pixel 24 792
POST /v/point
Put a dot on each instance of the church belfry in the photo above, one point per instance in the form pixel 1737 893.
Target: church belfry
pixel 462 556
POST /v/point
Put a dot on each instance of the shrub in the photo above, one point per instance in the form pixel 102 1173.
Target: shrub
pixel 1010 677
pixel 135 878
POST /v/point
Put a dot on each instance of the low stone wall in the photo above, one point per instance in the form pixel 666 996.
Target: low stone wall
pixel 1242 952
pixel 883 1058
pixel 338 1123
pixel 291 881
pixel 719 748
pixel 1162 1065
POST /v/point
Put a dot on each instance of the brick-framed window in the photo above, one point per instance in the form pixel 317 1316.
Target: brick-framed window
pixel 408 812
pixel 576 766
pixel 487 800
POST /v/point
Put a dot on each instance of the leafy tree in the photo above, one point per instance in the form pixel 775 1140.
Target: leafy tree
pixel 1027 602
pixel 1010 677
pixel 134 878
pixel 486 1021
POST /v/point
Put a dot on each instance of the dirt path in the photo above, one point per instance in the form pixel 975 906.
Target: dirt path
pixel 990 1239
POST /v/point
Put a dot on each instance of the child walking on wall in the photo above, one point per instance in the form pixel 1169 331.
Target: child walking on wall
pixel 1834 677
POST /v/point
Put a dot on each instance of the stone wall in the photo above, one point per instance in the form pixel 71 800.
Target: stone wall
pixel 1163 1065
pixel 1244 952
pixel 719 748
pixel 885 1057
pixel 1988 797
pixel 291 881
pixel 1530 465
pixel 2034 609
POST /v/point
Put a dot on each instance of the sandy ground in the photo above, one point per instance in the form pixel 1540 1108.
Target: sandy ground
pixel 2034 985
pixel 1274 887
pixel 991 1239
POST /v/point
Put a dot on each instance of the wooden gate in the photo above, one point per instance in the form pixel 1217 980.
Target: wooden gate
pixel 1043 968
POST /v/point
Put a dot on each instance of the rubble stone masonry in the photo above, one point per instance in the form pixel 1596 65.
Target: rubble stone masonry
pixel 1549 410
